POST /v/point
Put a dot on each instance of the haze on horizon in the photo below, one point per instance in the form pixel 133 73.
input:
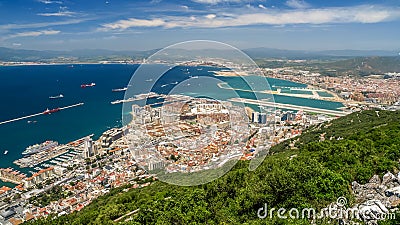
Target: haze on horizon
pixel 143 25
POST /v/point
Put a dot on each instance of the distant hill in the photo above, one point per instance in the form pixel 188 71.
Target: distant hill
pixel 366 65
pixel 12 54
pixel 9 54
pixel 302 54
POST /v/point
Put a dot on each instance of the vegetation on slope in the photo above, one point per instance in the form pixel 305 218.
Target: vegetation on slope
pixel 356 66
pixel 362 144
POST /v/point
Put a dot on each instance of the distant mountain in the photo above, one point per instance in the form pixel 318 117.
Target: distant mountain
pixel 359 53
pixel 280 53
pixel 365 65
pixel 10 54
pixel 292 54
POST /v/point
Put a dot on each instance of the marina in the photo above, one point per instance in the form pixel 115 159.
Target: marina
pixel 57 156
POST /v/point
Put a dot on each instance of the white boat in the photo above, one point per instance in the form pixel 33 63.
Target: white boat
pixel 164 85
pixel 40 147
pixel 5 152
pixel 57 96
pixel 119 89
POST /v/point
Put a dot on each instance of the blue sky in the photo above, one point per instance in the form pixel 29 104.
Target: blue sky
pixel 149 24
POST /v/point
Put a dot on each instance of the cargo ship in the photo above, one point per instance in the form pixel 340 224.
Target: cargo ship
pixel 40 147
pixel 88 85
pixel 50 111
pixel 57 96
pixel 119 89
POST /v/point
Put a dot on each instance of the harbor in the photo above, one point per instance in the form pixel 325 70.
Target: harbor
pixel 56 156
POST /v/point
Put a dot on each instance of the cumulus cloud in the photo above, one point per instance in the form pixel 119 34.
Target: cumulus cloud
pixel 297 4
pixel 359 14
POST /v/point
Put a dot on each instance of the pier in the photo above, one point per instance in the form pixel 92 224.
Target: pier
pixel 292 107
pixel 138 98
pixel 41 113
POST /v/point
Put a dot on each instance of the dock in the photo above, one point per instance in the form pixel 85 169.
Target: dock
pixel 38 158
pixel 38 114
pixel 138 98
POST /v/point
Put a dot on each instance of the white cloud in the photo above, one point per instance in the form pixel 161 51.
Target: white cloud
pixel 261 6
pixel 359 14
pixel 210 16
pixel 125 24
pixel 50 2
pixel 213 2
pixel 39 25
pixel 64 13
pixel 297 4
pixel 34 33
pixel 16 44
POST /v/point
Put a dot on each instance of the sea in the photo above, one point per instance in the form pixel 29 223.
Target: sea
pixel 25 90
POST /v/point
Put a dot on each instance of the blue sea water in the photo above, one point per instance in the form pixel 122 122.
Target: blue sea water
pixel 25 90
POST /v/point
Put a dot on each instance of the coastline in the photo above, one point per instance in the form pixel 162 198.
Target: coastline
pixel 47 120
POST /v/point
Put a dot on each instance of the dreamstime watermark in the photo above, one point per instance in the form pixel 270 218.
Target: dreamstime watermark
pixel 336 211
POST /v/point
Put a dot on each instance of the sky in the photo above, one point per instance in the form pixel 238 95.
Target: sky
pixel 150 24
